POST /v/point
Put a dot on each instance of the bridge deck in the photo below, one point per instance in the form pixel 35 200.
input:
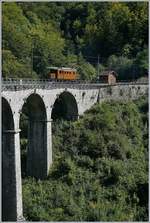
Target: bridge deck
pixel 22 84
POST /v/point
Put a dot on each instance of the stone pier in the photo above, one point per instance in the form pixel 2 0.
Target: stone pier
pixel 44 103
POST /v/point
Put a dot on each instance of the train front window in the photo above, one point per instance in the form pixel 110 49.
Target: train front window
pixel 53 71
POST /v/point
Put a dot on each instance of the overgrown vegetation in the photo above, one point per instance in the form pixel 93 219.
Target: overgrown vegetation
pixel 100 168
pixel 74 34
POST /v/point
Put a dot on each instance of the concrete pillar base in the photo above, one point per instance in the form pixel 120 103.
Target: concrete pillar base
pixel 39 155
pixel 21 219
pixel 11 175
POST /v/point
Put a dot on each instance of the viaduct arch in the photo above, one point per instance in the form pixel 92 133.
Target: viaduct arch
pixel 65 107
pixel 35 111
pixel 43 105
pixel 39 154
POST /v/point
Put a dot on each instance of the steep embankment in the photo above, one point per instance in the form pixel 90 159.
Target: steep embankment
pixel 100 169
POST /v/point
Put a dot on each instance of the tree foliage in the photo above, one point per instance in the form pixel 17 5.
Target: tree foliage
pixel 100 168
pixel 60 34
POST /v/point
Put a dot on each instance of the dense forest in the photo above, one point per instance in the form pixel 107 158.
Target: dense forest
pixel 100 168
pixel 100 161
pixel 75 34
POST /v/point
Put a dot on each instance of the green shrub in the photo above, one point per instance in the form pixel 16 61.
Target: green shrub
pixel 100 171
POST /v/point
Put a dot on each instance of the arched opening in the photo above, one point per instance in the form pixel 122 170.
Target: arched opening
pixel 8 164
pixel 64 111
pixel 33 137
pixel 65 107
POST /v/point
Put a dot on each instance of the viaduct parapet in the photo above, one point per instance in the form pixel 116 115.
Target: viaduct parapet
pixel 44 101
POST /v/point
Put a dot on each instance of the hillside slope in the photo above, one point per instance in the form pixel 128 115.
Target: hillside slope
pixel 36 35
pixel 100 168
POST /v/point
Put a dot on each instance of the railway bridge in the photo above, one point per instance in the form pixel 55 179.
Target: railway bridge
pixel 44 102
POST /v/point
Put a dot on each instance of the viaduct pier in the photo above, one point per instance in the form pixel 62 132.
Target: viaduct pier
pixel 45 101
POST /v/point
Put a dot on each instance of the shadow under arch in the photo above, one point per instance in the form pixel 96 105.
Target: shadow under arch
pixel 34 112
pixel 8 164
pixel 65 107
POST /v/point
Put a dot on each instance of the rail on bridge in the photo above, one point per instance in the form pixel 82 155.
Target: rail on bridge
pixel 15 84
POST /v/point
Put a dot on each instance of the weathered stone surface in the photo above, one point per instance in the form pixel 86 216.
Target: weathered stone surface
pixel 11 174
pixel 41 102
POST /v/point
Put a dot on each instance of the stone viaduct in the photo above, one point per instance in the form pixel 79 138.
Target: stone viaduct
pixel 44 101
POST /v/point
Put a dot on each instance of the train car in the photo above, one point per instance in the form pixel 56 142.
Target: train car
pixel 62 73
pixel 108 77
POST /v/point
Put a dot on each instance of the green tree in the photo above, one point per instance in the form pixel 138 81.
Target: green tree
pixel 100 170
pixel 141 63
pixel 122 65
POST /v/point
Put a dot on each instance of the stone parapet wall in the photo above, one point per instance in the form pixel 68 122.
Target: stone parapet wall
pixel 122 92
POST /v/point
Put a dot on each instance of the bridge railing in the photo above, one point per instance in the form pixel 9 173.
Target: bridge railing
pixel 44 81
pixel 25 83
pixel 39 81
pixel 16 84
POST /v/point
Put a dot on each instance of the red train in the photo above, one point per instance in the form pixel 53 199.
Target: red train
pixel 63 73
pixel 70 74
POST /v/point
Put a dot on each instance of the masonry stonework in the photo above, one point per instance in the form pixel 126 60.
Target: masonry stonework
pixel 41 104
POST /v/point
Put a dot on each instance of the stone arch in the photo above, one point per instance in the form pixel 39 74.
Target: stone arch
pixel 8 164
pixel 65 107
pixel 7 119
pixel 35 111
pixel 36 106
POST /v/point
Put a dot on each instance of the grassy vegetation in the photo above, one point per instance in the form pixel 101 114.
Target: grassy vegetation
pixel 100 168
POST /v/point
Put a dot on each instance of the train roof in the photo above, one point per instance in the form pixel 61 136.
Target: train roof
pixel 62 68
